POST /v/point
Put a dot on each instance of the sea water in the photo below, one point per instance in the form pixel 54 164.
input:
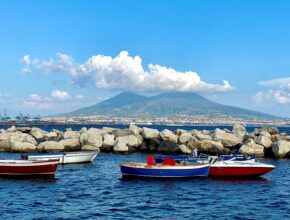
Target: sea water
pixel 97 191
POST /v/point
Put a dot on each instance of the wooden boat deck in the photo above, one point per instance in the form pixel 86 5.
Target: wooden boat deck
pixel 140 164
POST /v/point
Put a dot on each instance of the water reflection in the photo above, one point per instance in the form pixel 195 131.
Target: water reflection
pixel 35 178
pixel 239 179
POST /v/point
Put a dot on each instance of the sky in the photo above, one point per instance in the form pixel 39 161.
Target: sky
pixel 58 56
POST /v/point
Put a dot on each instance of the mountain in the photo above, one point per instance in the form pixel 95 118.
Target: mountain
pixel 128 104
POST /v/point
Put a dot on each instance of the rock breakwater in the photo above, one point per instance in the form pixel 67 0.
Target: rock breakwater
pixel 263 142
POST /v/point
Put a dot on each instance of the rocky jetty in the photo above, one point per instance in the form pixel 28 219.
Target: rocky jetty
pixel 263 142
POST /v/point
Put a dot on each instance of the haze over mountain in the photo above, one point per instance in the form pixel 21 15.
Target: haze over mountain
pixel 128 104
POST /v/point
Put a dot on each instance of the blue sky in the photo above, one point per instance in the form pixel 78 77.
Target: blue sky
pixel 51 51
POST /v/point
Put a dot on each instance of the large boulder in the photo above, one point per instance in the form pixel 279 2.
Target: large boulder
pixel 135 129
pixel 150 133
pixel 248 136
pixel 125 143
pixel 285 137
pixel 185 137
pixel 151 144
pixel 24 129
pixel 168 135
pixel 140 139
pixel 121 148
pixel 275 137
pixel 71 134
pixel 22 137
pixel 193 143
pixel 270 130
pixel 281 148
pixel 38 134
pixel 96 131
pixel 168 147
pixel 185 149
pixel 109 130
pixel 200 136
pixel 264 140
pixel 239 130
pixel 265 133
pixel 50 136
pixel 59 134
pixel 122 132
pixel 251 148
pixel 12 129
pixel 180 131
pixel 5 142
pixel 206 132
pixel 89 148
pixel 71 144
pixel 5 146
pixel 227 139
pixel 109 141
pixel 22 147
pixel 211 147
pixel 83 130
pixel 91 139
pixel 50 146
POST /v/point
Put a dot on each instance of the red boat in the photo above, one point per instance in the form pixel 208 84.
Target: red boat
pixel 26 167
pixel 226 168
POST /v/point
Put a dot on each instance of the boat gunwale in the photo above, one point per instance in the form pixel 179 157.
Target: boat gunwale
pixel 27 163
pixel 164 167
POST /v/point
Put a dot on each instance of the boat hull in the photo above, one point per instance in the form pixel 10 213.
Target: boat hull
pixel 236 171
pixel 67 158
pixel 24 168
pixel 164 171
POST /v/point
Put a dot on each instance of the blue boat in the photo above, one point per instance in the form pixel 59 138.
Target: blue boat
pixel 168 169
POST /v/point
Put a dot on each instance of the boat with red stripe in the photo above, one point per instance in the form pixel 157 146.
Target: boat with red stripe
pixel 26 167
pixel 224 168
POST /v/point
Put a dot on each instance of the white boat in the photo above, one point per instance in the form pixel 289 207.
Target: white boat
pixel 66 157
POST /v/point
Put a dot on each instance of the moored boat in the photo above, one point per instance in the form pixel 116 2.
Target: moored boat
pixel 234 165
pixel 168 169
pixel 65 158
pixel 221 168
pixel 26 167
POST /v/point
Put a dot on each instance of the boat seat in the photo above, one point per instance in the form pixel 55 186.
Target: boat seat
pixel 151 160
pixel 169 161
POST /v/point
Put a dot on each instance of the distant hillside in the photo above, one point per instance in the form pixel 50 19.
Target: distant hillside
pixel 166 104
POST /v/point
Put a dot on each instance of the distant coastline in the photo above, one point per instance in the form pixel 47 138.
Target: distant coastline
pixel 61 123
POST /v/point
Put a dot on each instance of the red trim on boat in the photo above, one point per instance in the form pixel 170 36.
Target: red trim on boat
pixel 239 171
pixel 33 168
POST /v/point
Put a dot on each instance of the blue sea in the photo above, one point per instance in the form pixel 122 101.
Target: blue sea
pixel 97 191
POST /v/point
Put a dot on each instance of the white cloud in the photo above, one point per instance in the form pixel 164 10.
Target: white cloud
pixel 124 72
pixel 26 63
pixel 80 97
pixel 278 91
pixel 276 83
pixel 35 97
pixel 60 95
pixel 38 102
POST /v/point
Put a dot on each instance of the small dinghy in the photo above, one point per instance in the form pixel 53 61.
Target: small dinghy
pixel 64 158
pixel 28 168
pixel 167 169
